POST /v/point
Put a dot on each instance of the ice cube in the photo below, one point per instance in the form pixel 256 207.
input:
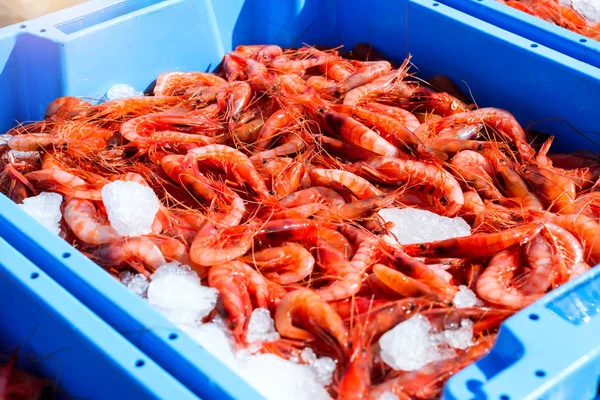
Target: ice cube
pixel 261 327
pixel 137 283
pixel 279 379
pixel 590 9
pixel 410 225
pixel 462 337
pixel 45 208
pixel 122 91
pixel 388 396
pixel 323 367
pixel 214 340
pixel 131 207
pixel 180 296
pixel 409 345
pixel 465 298
pixel 413 344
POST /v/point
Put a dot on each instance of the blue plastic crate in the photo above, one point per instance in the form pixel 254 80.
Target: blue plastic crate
pixel 532 28
pixel 60 339
pixel 86 49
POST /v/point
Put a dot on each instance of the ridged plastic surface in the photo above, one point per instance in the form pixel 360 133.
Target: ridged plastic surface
pixel 86 49
pixel 62 340
pixel 532 28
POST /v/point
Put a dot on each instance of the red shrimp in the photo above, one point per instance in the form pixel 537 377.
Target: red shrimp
pixel 400 283
pixel 333 235
pixel 132 251
pixel 585 230
pixel 173 167
pixel 495 283
pixel 279 120
pixel 214 246
pixel 293 144
pixel 509 180
pixel 395 171
pixel 504 122
pixel 313 194
pixel 87 224
pixel 474 246
pixel 367 72
pixel 380 86
pixel 343 149
pixel 337 70
pixel 66 108
pixel 367 247
pixel 285 264
pixel 407 118
pixel 305 58
pixel 337 267
pixel 233 99
pixel 360 187
pixel 555 189
pixel 161 129
pixel 235 161
pixel 360 135
pixel 309 310
pixel 476 171
pixel 177 83
pixel 235 281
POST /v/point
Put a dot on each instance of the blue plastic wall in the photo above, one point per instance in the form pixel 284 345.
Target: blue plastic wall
pixel 62 340
pixel 84 50
pixel 532 28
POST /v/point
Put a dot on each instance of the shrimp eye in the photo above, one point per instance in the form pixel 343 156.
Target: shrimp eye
pixel 411 306
pixel 272 192
pixel 234 118
pixel 422 247
pixel 321 110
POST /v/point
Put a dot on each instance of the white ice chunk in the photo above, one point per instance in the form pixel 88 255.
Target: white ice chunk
pixel 323 367
pixel 412 344
pixel 409 346
pixel 179 295
pixel 122 91
pixel 261 327
pixel 590 9
pixel 279 379
pixel 465 298
pixel 137 283
pixel 131 207
pixel 462 337
pixel 214 340
pixel 410 225
pixel 388 396
pixel 45 208
pixel 24 155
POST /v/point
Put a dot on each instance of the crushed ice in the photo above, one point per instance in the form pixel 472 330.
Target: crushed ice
pixel 412 344
pixel 261 327
pixel 45 208
pixel 388 396
pixel 122 91
pixel 131 207
pixel 466 298
pixel 410 225
pixel 137 283
pixel 177 292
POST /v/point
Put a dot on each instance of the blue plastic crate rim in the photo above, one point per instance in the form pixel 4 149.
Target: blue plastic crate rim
pixel 86 49
pixel 61 340
pixel 533 28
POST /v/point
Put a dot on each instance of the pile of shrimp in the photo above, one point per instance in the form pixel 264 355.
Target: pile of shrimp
pixel 270 175
pixel 559 14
